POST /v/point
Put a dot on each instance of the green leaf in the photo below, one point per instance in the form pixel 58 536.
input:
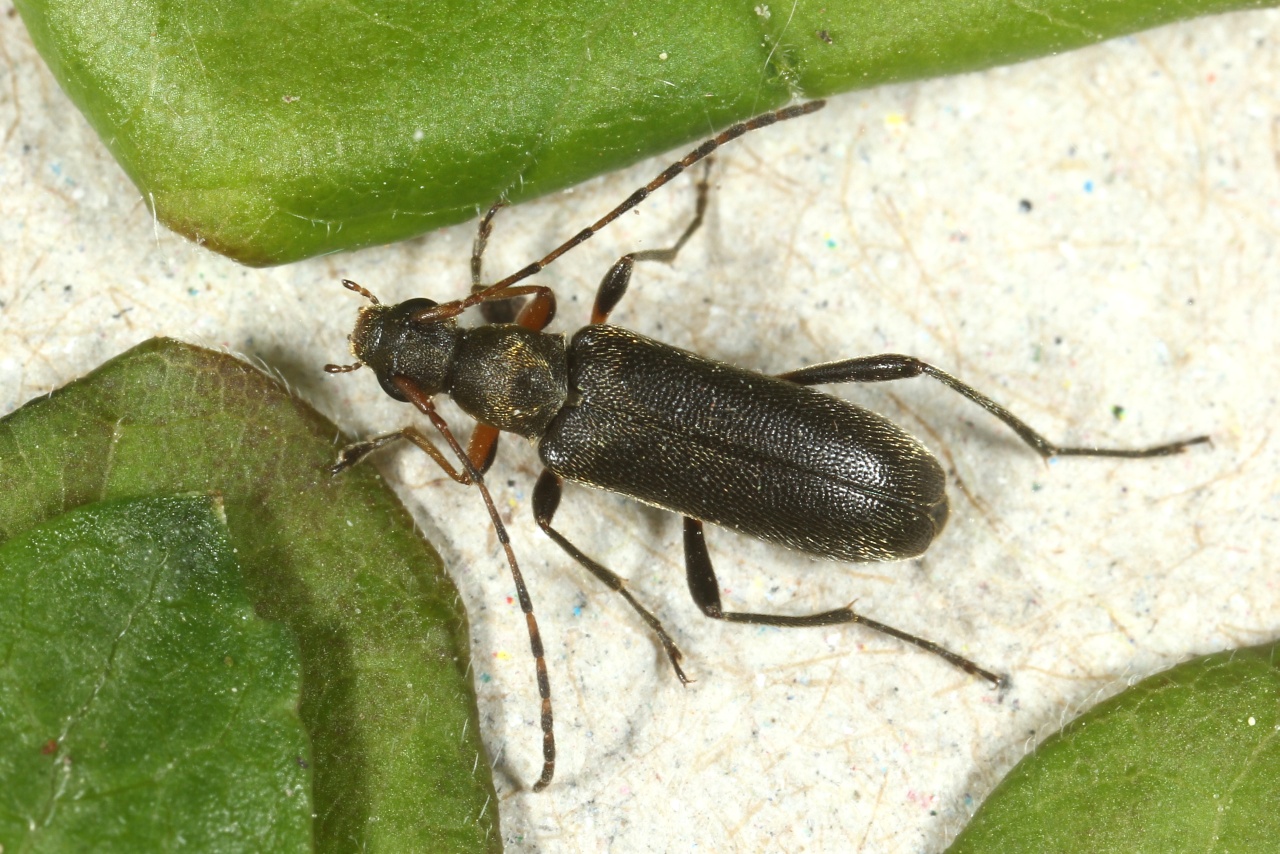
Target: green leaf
pixel 274 131
pixel 1186 760
pixel 386 697
pixel 143 706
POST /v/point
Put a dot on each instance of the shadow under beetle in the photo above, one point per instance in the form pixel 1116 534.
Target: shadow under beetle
pixel 764 455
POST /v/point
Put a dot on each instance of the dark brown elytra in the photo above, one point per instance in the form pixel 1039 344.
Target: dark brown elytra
pixel 764 455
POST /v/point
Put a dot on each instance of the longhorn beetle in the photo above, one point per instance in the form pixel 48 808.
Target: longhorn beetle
pixel 764 455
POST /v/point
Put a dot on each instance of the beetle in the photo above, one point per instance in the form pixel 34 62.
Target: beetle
pixel 768 456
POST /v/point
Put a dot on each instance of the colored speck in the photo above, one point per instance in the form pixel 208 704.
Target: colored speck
pixel 1117 412
pixel 502 655
pixel 1088 186
pixel 510 600
pixel 192 292
pixel 831 243
pixel 1025 206
pixel 577 610
pixel 895 121
pixel 1036 487
pixel 485 677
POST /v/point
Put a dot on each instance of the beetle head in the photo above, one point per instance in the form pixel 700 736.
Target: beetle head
pixel 392 341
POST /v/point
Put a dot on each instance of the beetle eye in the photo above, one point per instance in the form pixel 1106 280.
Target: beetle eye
pixel 410 307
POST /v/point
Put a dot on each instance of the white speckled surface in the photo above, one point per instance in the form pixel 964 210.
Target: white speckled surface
pixel 1146 275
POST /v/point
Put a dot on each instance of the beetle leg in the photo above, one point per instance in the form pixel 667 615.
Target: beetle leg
pixel 354 453
pixel 481 242
pixel 705 590
pixel 546 500
pixel 506 307
pixel 493 312
pixel 891 366
pixel 614 284
pixel 539 311
pixel 482 447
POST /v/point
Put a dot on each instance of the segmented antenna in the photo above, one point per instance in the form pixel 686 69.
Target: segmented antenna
pixel 425 405
pixel 361 290
pixel 456 307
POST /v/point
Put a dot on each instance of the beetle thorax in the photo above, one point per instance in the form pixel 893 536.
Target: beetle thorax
pixel 510 377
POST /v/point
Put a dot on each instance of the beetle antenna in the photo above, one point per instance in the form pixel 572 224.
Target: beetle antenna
pixel 361 290
pixel 424 404
pixel 456 307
